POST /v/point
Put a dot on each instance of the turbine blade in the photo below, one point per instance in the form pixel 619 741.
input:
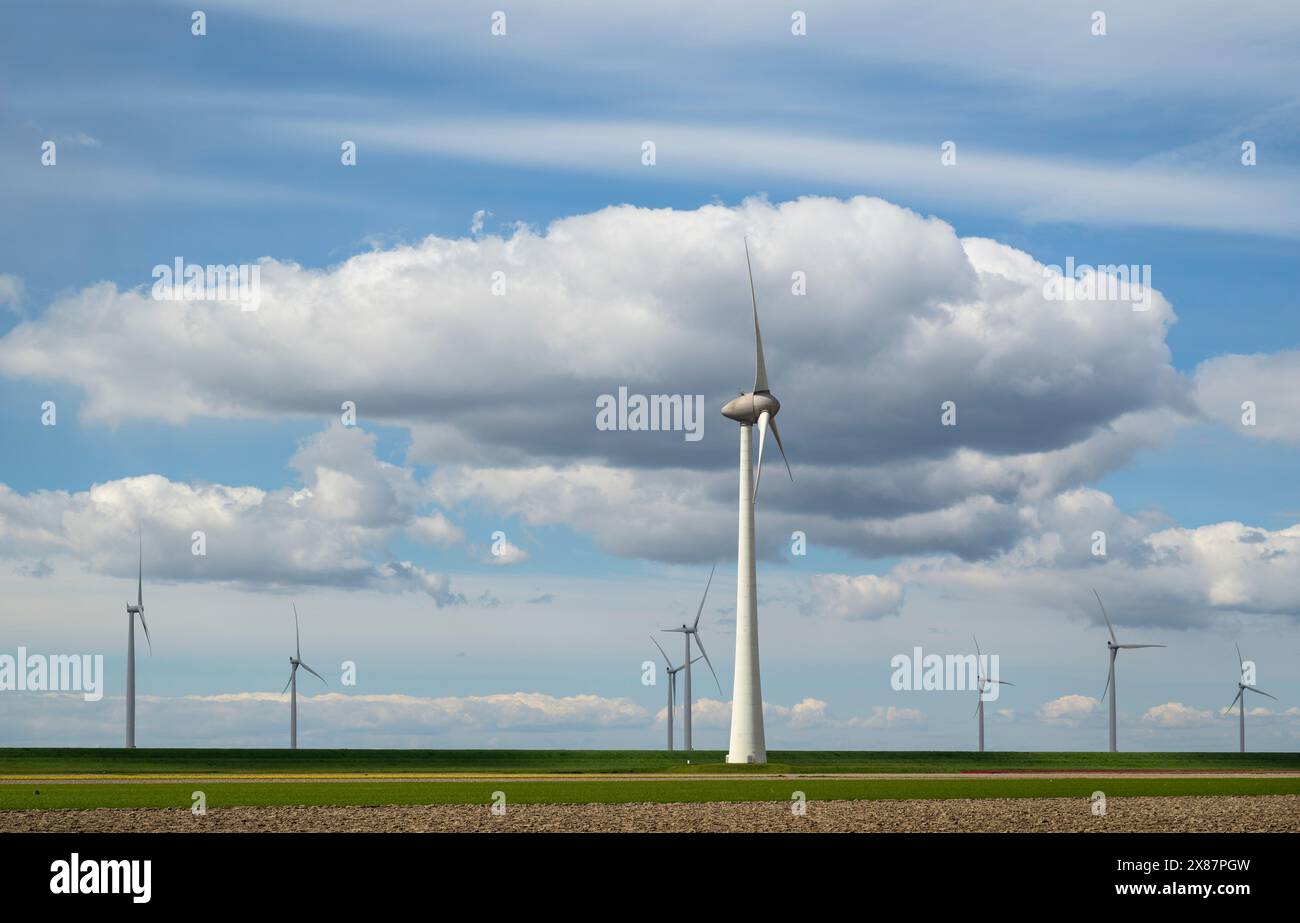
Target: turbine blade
pixel 1240 663
pixel 139 583
pixel 662 651
pixel 1109 627
pixel 709 662
pixel 297 643
pixel 1001 682
pixel 977 648
pixel 314 673
pixel 700 611
pixel 760 372
pixel 777 433
pixel 1107 689
pixel 290 680
pixel 1130 647
pixel 764 419
pixel 145 626
pixel 1234 701
pixel 979 697
pixel 1262 692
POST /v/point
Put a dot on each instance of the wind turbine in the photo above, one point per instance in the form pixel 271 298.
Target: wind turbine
pixel 1242 686
pixel 1115 647
pixel 758 407
pixel 686 632
pixel 672 689
pixel 131 613
pixel 983 683
pixel 296 662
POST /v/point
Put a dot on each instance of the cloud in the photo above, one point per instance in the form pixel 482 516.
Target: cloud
pixel 901 312
pixel 1069 709
pixel 1177 715
pixel 1162 193
pixel 435 530
pixel 1151 576
pixel 338 719
pixel 1268 381
pixel 333 530
pixel 806 715
pixel 504 553
pixel 12 293
pixel 889 716
pixel 219 719
pixel 866 597
pixel 438 586
pixel 1020 44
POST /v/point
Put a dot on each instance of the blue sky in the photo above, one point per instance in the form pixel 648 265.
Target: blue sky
pixel 224 148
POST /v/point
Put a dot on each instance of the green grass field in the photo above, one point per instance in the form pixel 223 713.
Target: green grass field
pixel 591 791
pixel 57 761
pixel 577 771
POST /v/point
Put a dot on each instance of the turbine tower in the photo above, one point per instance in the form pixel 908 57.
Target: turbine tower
pixel 1242 687
pixel 296 662
pixel 131 613
pixel 983 683
pixel 672 689
pixel 758 407
pixel 686 632
pixel 1115 647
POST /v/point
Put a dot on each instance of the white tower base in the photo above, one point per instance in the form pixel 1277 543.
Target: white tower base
pixel 747 741
pixel 130 679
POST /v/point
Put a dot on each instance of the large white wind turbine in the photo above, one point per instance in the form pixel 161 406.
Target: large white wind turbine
pixel 672 688
pixel 686 632
pixel 131 613
pixel 1242 688
pixel 758 407
pixel 983 683
pixel 1115 647
pixel 296 662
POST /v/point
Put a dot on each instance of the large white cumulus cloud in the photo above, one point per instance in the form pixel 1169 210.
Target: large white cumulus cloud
pixel 900 314
pixel 499 392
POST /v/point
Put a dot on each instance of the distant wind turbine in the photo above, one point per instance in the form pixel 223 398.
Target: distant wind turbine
pixel 1242 687
pixel 672 688
pixel 753 408
pixel 686 631
pixel 131 613
pixel 984 684
pixel 296 662
pixel 1115 647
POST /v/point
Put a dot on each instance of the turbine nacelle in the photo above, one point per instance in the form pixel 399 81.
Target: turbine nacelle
pixel 749 406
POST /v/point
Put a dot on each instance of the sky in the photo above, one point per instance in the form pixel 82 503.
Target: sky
pixel 400 436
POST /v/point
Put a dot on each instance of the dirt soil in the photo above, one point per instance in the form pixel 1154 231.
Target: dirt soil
pixel 1235 814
